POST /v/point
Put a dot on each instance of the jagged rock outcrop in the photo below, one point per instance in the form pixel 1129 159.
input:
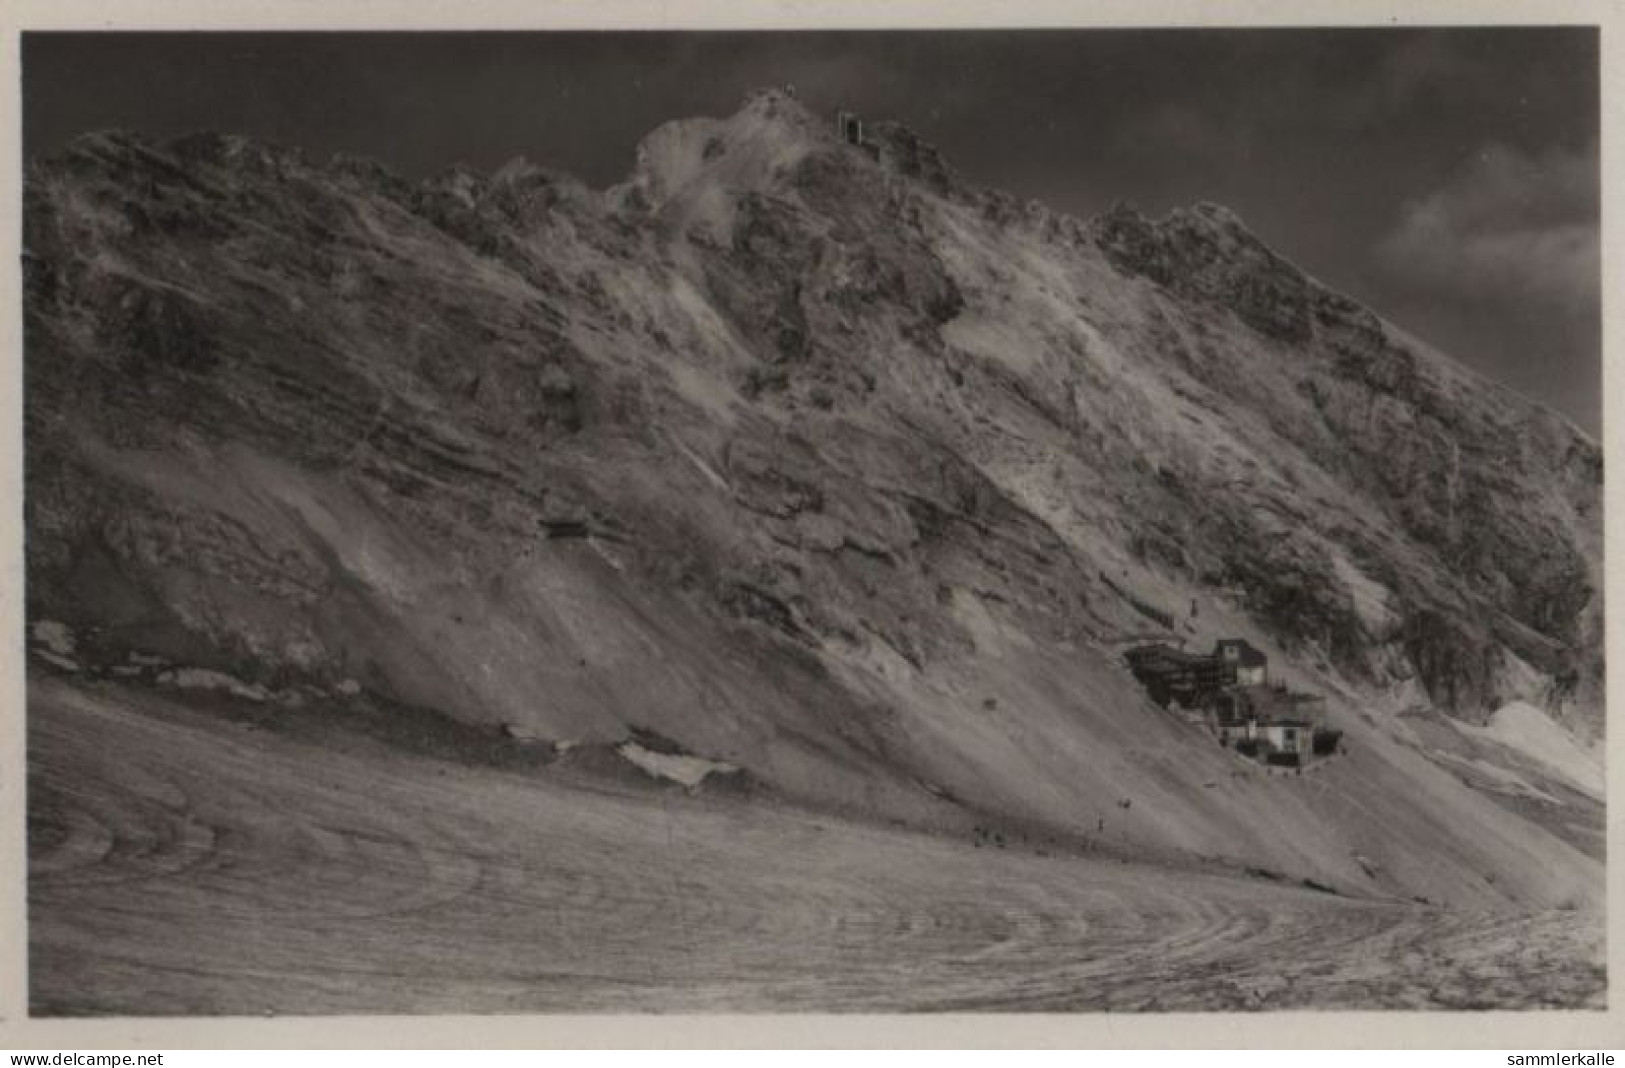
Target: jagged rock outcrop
pixel 1482 493
pixel 1206 253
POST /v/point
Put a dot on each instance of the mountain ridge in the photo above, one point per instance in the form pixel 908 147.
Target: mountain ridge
pixel 373 169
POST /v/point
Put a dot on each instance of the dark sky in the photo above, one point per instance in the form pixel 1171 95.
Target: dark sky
pixel 1447 177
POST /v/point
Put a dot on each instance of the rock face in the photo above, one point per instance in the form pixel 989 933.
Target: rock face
pixel 1486 508
pixel 780 447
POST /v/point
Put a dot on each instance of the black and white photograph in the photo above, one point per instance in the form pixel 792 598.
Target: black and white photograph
pixel 1070 520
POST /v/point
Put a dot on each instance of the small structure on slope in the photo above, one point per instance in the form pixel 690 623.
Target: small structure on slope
pixel 1271 724
pixel 1193 680
pixel 1251 667
pixel 849 127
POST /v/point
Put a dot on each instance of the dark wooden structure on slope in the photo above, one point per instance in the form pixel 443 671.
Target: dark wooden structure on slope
pixel 1195 680
pixel 1228 691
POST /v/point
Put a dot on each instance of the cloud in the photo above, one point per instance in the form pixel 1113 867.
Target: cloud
pixel 1420 68
pixel 1508 226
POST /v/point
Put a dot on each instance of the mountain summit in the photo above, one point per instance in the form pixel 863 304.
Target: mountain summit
pixel 812 463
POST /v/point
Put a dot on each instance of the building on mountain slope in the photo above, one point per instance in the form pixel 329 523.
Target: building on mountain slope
pixel 1251 666
pixel 1292 739
pixel 1228 692
pixel 1272 724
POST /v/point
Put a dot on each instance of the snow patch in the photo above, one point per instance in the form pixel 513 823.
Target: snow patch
pixel 1507 781
pixel 63 662
pixel 704 468
pixel 1527 730
pixel 1370 597
pixel 690 771
pixel 606 554
pixel 205 679
pixel 57 637
pixel 987 631
pixel 523 733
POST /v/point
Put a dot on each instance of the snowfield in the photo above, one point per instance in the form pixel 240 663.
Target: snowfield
pixel 187 864
pixel 1533 733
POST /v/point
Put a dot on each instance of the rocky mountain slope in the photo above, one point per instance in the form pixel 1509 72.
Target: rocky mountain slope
pixel 814 464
